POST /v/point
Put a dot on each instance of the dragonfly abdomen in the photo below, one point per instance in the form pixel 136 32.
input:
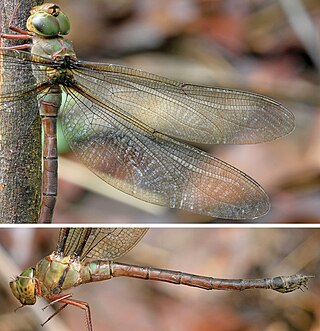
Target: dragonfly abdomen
pixel 49 107
pixel 95 271
pixel 282 284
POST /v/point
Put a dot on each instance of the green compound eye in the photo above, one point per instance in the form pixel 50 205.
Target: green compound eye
pixel 64 23
pixel 48 25
pixel 43 24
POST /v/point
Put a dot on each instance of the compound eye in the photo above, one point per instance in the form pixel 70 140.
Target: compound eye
pixel 48 21
pixel 64 23
pixel 43 24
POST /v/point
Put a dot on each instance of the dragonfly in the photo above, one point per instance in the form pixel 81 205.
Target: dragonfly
pixel 134 129
pixel 85 255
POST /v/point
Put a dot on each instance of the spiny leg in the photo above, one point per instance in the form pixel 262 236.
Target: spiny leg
pixel 54 314
pixel 83 305
pixel 65 298
pixel 57 298
pixel 14 28
pixel 16 37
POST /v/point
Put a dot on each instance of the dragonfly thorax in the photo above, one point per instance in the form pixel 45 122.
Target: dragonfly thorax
pixel 57 273
pixel 60 76
pixel 24 287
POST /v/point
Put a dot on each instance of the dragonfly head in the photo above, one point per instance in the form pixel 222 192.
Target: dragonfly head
pixel 48 20
pixel 24 287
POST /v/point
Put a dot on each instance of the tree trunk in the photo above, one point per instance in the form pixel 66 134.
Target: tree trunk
pixel 20 134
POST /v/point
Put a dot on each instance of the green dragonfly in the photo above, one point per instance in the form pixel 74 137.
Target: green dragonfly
pixel 128 126
pixel 85 255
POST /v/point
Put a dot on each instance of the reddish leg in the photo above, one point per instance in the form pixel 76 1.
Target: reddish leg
pixel 16 37
pixel 64 298
pixel 57 298
pixel 24 46
pixel 24 32
pixel 56 312
pixel 11 26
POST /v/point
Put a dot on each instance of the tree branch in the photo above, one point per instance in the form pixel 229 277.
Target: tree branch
pixel 20 135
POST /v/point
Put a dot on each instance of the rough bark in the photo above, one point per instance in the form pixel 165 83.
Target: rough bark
pixel 20 136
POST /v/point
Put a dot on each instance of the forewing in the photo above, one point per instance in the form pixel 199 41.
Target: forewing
pixel 28 66
pixel 102 243
pixel 19 95
pixel 189 112
pixel 154 167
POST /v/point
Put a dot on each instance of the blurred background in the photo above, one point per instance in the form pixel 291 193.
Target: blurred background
pixel 133 304
pixel 266 46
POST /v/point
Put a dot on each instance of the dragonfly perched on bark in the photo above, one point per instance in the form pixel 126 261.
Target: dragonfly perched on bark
pixel 85 255
pixel 127 125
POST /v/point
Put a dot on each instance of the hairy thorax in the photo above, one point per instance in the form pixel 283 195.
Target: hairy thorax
pixel 58 50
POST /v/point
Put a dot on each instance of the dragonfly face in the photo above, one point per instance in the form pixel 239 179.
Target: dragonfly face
pixel 24 287
pixel 48 21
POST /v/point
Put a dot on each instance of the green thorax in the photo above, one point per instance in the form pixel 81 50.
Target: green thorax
pixel 48 25
pixel 57 274
pixel 54 48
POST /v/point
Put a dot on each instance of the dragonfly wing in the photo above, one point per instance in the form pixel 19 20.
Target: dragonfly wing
pixel 28 66
pixel 154 167
pixel 21 95
pixel 189 112
pixel 101 243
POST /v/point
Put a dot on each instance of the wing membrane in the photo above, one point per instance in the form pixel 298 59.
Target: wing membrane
pixel 189 112
pixel 28 66
pixel 19 96
pixel 156 168
pixel 102 243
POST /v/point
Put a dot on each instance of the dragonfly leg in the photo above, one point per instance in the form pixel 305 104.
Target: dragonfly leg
pixel 24 46
pixel 77 303
pixel 22 32
pixel 13 16
pixel 65 298
pixel 15 36
pixel 57 298
pixel 54 314
pixel 53 300
pixel 83 305
pixel 14 28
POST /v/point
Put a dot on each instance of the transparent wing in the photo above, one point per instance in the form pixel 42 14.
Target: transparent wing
pixel 154 167
pixel 21 95
pixel 99 243
pixel 189 112
pixel 28 66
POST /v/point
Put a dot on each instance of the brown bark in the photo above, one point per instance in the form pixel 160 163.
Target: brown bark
pixel 20 135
